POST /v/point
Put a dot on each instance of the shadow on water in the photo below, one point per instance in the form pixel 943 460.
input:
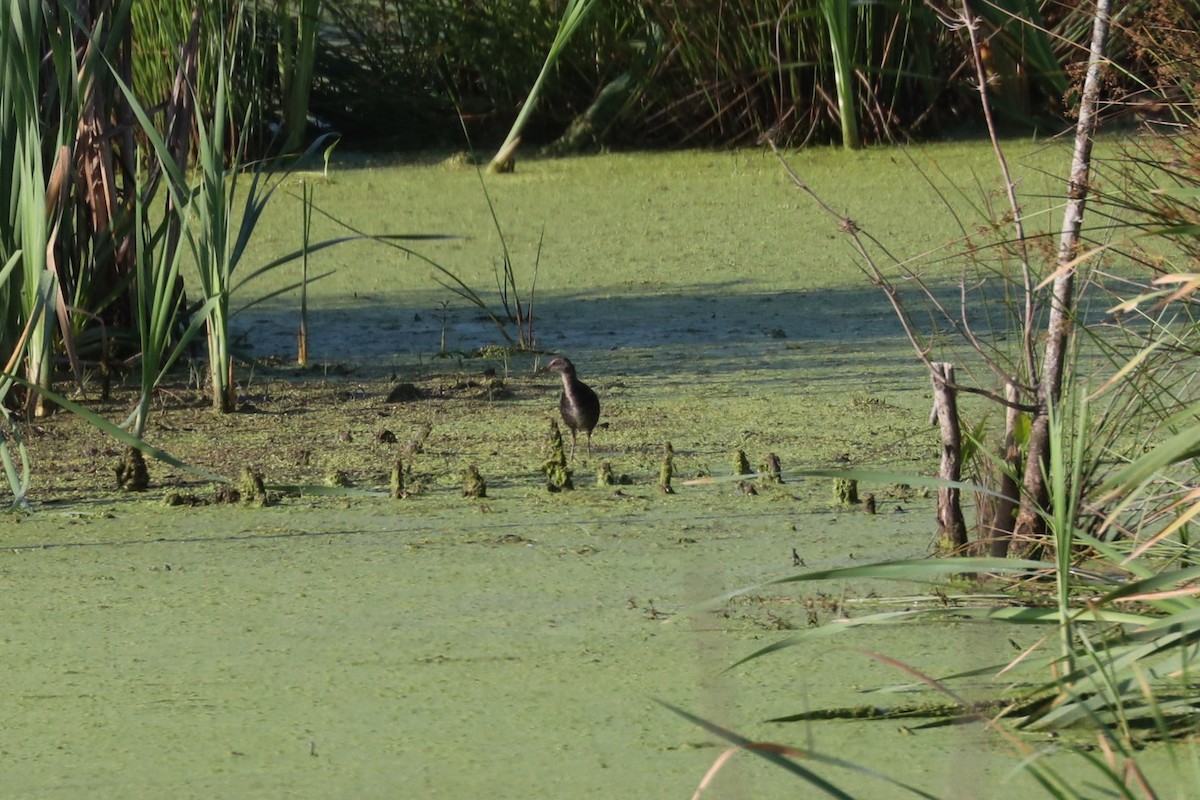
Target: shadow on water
pixel 716 338
pixel 710 315
pixel 667 324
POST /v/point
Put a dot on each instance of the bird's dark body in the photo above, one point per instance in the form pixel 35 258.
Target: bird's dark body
pixel 579 405
pixel 580 408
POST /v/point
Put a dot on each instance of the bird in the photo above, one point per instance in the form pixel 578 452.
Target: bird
pixel 579 405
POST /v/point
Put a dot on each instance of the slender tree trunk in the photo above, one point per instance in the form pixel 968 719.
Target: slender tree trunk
pixel 1030 523
pixel 952 528
pixel 999 534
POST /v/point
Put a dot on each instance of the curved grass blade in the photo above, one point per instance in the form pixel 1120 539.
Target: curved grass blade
pixel 776 755
pixel 775 758
pixel 919 570
pixel 18 482
pixel 314 248
pixel 282 290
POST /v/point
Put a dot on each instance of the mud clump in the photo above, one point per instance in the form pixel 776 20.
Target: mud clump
pixel 405 393
pixel 845 491
pixel 771 470
pixel 473 483
pixel 396 487
pixel 251 489
pixel 131 472
pixel 604 477
pixel 226 495
pixel 667 469
pixel 558 476
pixel 184 499
pixel 338 479
pixel 741 464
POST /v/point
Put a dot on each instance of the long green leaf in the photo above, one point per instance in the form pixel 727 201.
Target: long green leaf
pixel 574 14
pixel 299 253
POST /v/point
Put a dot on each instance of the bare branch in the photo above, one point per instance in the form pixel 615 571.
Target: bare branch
pixel 971 23
pixel 859 237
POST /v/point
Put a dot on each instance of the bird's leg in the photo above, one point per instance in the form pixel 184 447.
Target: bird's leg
pixel 572 456
pixel 589 444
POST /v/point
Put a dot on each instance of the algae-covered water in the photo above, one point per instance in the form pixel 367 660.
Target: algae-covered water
pixel 381 652
pixel 512 646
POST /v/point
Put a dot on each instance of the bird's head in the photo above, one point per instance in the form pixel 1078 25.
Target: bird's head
pixel 557 364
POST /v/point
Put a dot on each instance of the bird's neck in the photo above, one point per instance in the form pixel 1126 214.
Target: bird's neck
pixel 570 387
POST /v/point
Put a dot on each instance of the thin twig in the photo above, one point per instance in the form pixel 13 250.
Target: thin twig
pixel 971 24
pixel 859 237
